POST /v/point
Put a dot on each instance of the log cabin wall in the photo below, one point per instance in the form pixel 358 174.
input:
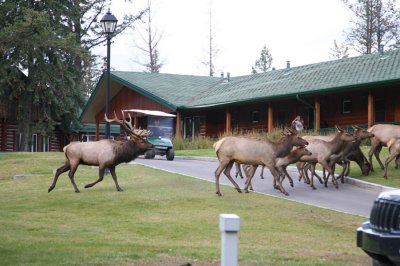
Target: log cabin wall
pixel 254 117
pixel 128 99
pixel 215 122
pixel 334 110
pixel 341 109
pixel 8 137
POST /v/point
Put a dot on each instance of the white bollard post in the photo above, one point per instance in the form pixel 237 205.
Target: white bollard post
pixel 229 224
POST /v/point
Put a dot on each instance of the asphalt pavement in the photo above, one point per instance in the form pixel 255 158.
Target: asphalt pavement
pixel 353 197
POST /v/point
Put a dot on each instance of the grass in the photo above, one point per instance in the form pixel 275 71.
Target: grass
pixel 160 219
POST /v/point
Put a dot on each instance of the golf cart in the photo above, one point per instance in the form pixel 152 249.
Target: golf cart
pixel 160 125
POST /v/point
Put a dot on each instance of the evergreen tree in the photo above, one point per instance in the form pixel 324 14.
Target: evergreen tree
pixel 263 64
pixel 50 42
pixel 32 41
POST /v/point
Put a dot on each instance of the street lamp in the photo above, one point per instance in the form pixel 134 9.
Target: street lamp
pixel 108 22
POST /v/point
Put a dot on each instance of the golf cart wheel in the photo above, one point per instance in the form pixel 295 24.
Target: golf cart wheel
pixel 150 154
pixel 170 154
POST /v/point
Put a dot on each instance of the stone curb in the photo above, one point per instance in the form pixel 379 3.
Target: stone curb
pixel 349 180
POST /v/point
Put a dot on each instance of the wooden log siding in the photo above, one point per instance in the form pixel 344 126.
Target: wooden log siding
pixel 128 99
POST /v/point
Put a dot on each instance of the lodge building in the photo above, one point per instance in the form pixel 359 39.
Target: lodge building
pixel 362 90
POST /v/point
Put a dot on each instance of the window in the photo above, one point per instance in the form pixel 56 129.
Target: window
pixel 191 127
pixel 34 143
pixel 188 128
pixel 46 143
pixel 281 119
pixel 255 116
pixel 196 125
pixel 346 106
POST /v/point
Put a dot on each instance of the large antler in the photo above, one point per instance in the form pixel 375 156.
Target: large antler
pixel 135 133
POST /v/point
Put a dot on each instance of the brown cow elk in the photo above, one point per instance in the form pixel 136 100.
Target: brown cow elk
pixel 382 134
pixel 254 152
pixel 104 153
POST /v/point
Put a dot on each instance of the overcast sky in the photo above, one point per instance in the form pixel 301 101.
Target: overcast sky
pixel 300 31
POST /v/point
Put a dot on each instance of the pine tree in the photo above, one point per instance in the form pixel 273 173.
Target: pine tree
pixel 263 64
pixel 50 42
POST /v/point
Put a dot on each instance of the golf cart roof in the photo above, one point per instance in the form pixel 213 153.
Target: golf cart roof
pixel 149 112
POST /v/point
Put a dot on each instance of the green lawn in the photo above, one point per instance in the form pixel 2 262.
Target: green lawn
pixel 159 219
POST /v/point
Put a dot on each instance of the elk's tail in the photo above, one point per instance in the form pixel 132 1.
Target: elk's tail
pixel 218 144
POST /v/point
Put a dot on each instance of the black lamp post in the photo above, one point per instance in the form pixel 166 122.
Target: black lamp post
pixel 108 22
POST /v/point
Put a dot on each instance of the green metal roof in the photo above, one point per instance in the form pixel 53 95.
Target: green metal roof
pixel 183 91
pixel 187 91
pixel 168 89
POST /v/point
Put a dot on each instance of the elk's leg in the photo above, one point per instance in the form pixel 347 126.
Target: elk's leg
pixel 227 172
pixel 397 161
pixel 222 165
pixel 262 172
pixel 63 168
pixel 312 166
pixel 325 164
pixel 285 173
pixel 388 160
pixel 376 153
pixel 374 146
pixel 114 176
pixel 344 169
pixel 347 165
pixel 238 170
pixel 101 176
pixel 277 180
pixel 249 172
pixel 71 176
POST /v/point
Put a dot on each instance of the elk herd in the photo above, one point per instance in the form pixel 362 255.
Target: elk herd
pixel 306 152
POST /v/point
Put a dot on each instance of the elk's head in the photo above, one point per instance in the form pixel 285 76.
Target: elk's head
pixel 362 133
pixel 138 136
pixel 304 151
pixel 296 140
pixel 346 136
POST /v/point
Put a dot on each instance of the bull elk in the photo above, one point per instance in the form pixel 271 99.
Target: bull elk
pixel 104 153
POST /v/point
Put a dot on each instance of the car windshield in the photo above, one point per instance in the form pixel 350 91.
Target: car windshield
pixel 160 126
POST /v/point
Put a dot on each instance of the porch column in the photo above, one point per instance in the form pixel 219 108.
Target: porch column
pixel 178 130
pixel 97 129
pixel 370 109
pixel 228 122
pixel 270 118
pixel 317 114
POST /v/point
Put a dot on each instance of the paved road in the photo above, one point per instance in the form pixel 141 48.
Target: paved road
pixel 348 198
